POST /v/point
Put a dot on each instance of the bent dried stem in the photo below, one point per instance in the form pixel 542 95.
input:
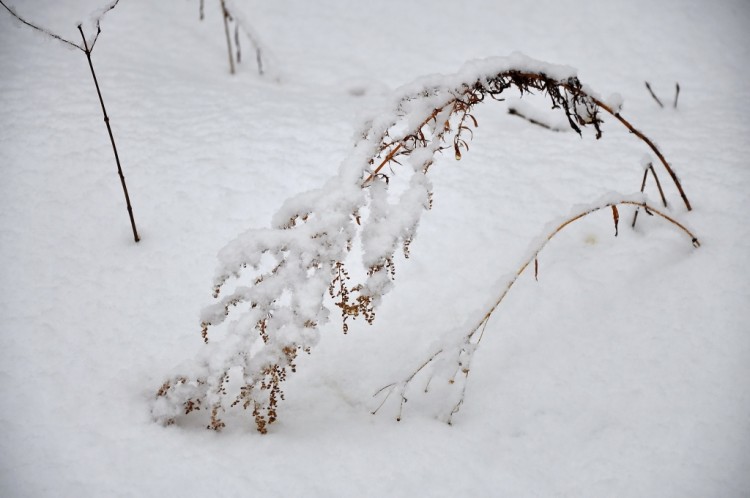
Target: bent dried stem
pixel 467 345
pixel 581 108
pixel 306 252
pixel 652 146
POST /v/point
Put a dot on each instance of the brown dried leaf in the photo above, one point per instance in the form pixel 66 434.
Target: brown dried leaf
pixel 616 217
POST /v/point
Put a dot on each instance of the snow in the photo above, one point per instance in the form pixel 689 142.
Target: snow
pixel 622 372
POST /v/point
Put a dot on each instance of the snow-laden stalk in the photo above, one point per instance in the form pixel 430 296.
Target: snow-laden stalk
pixel 462 351
pixel 280 284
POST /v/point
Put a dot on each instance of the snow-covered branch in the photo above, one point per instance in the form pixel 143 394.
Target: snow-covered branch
pixel 279 285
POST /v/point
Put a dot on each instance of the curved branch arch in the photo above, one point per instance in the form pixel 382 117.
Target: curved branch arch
pixel 580 105
pixel 463 351
pixel 297 270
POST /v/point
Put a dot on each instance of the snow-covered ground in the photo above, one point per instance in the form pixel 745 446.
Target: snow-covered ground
pixel 624 371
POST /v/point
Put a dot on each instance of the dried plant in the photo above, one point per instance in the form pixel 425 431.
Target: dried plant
pixel 233 21
pixel 515 110
pixel 459 354
pixel 279 285
pixel 658 101
pixel 649 168
pixel 87 47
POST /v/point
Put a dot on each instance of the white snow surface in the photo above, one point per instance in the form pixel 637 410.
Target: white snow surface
pixel 623 371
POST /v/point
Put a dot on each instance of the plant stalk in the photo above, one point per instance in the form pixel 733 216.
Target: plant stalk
pixel 111 137
pixel 226 32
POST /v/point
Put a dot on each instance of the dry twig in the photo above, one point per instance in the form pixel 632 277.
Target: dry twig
pixel 425 121
pixel 86 49
pixel 648 87
pixel 568 95
pixel 465 348
pixel 230 15
pixel 515 112
pixel 650 168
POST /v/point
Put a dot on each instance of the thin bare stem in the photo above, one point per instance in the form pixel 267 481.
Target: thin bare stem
pixel 87 51
pixel 646 171
pixel 240 24
pixel 40 29
pixel 405 383
pixel 658 184
pixel 402 386
pixel 654 95
pixel 643 187
pixel 651 145
pixel 98 21
pixel 516 112
pixel 259 60
pixel 676 94
pixel 238 48
pixel 225 13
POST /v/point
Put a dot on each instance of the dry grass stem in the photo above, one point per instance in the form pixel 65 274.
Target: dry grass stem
pixel 580 108
pixel 88 50
pixel 305 248
pixel 516 112
pixel 468 344
pixel 650 169
pixel 648 87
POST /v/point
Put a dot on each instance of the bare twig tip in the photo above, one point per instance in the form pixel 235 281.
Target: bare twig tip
pixel 654 95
